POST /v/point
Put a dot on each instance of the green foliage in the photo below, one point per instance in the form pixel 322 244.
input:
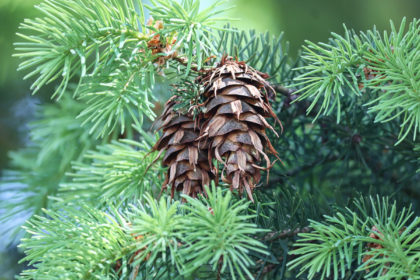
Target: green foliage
pixel 147 239
pixel 266 53
pixel 386 68
pixel 395 60
pixel 118 97
pixel 37 170
pixel 97 43
pixel 69 33
pixel 102 220
pixel 285 208
pixel 212 232
pixel 334 161
pixel 114 172
pixel 82 243
pixel 104 45
pixel 56 132
pixel 335 245
pixel 157 230
pixel 329 70
pixel 193 28
pixel 218 235
pixel 189 95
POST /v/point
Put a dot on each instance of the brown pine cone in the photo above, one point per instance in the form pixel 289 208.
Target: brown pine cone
pixel 234 132
pixel 189 169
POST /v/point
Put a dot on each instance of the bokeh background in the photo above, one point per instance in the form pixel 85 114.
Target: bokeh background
pixel 299 20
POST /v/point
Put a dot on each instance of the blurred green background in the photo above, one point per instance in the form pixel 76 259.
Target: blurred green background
pixel 299 19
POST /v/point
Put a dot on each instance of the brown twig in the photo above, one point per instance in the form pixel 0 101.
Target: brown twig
pixel 184 62
pixel 283 90
pixel 219 268
pixel 272 236
pixel 286 233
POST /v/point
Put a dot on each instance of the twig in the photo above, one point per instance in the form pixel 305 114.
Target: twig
pixel 274 236
pixel 184 62
pixel 219 268
pixel 286 233
pixel 283 90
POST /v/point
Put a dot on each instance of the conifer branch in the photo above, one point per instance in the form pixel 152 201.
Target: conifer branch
pixel 383 67
pixel 218 232
pixel 140 241
pixel 115 172
pixel 61 43
pixel 96 215
pixel 77 244
pixel 37 170
pixel 333 246
pixel 268 54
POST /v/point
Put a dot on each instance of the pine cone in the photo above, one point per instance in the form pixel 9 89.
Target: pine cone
pixel 188 166
pixel 234 133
